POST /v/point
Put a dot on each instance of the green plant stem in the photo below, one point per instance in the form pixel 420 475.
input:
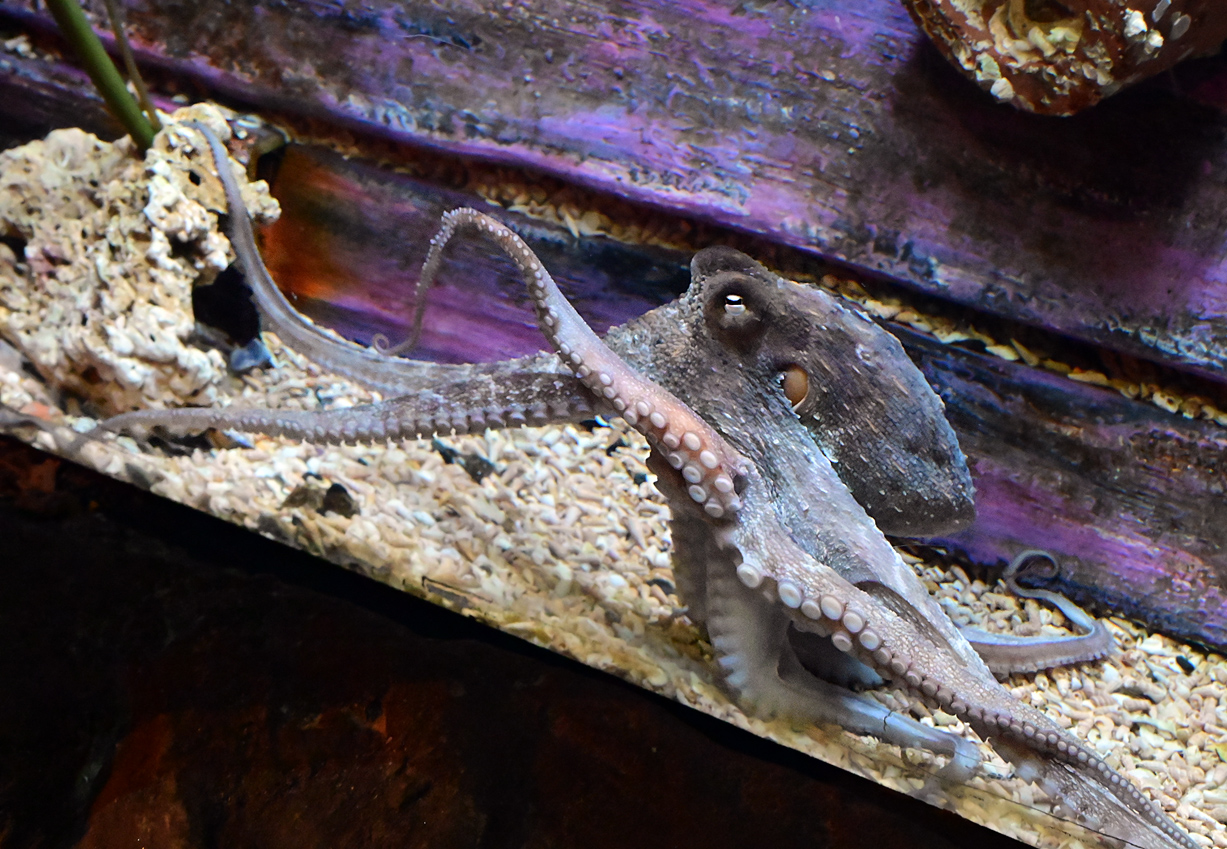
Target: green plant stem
pixel 134 73
pixel 101 70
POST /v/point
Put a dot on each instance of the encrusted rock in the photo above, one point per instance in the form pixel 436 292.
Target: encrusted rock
pixel 1057 57
pixel 101 251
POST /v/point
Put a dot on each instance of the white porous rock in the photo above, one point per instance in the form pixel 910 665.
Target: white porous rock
pixel 100 299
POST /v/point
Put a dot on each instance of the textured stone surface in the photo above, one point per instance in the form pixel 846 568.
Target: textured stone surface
pixel 102 249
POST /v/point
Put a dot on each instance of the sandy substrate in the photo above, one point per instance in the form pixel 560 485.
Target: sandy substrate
pixel 563 541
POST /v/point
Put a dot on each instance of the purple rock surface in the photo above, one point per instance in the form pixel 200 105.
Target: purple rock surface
pixel 831 126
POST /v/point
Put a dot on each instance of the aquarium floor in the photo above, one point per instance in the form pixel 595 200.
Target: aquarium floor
pixel 172 680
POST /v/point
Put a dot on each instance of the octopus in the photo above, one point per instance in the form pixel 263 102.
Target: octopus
pixel 789 434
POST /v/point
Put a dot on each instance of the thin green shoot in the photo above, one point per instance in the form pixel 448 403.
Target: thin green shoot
pixel 81 37
pixel 134 73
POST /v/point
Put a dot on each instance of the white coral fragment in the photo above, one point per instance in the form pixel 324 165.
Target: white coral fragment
pixel 1002 90
pixel 1135 25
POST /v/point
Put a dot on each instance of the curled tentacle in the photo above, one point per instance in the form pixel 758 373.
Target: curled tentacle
pixel 383 344
pixel 1075 614
pixel 710 466
pixel 426 279
pixel 1006 654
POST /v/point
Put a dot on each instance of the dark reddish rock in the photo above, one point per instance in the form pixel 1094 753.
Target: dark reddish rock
pixel 1059 58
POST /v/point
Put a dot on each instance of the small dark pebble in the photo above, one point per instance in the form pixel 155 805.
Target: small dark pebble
pixel 251 356
pixel 304 496
pixel 338 500
pixel 664 583
pixel 1184 663
pixel 614 446
pixel 138 477
pixel 448 453
pixel 640 478
pixel 477 466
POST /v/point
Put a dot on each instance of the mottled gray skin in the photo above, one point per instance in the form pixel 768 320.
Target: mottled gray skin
pixel 801 593
pixel 868 409
pixel 727 371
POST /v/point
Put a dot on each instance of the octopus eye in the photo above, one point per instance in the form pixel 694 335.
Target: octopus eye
pixel 795 383
pixel 734 313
